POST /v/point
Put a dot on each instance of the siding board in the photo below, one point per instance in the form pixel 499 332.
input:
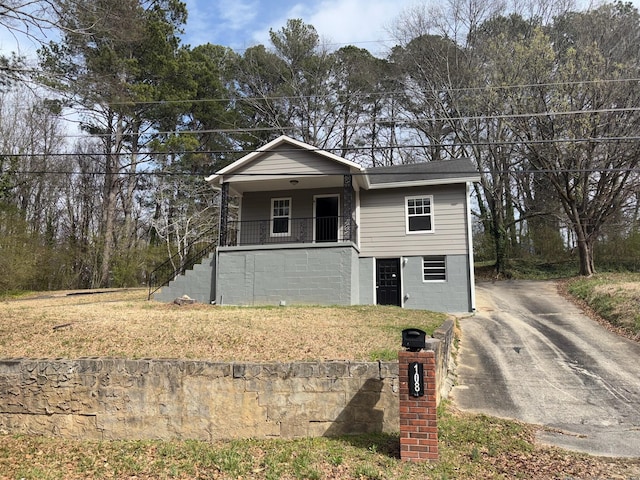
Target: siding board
pixel 257 205
pixel 292 162
pixel 383 228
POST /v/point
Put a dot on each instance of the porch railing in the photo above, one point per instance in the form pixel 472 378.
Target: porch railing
pixel 291 230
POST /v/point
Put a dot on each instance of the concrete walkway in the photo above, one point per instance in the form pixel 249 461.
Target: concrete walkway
pixel 531 355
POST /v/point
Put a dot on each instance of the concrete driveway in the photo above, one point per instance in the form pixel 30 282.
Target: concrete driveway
pixel 531 355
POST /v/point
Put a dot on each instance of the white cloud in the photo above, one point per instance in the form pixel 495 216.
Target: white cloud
pixel 198 27
pixel 237 14
pixel 219 22
pixel 364 23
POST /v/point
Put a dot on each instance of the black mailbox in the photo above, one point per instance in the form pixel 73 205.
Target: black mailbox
pixel 413 339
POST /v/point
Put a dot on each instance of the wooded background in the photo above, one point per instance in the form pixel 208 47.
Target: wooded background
pixel 107 138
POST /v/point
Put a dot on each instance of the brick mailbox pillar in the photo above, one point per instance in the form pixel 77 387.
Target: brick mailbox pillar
pixel 418 421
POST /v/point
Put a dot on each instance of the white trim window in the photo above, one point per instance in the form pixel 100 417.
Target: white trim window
pixel 434 268
pixel 419 214
pixel 280 217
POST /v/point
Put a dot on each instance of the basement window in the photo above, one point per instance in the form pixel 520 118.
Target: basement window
pixel 434 268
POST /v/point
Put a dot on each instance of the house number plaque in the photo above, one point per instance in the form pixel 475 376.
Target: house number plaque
pixel 416 379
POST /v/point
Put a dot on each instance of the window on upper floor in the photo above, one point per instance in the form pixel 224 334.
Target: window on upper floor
pixel 280 217
pixel 419 214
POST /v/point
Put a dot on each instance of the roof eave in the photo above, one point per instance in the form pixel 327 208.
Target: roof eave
pixel 422 183
pixel 211 178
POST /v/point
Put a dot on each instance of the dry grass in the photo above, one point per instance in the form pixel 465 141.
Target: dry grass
pixel 614 297
pixel 124 324
pixel 471 447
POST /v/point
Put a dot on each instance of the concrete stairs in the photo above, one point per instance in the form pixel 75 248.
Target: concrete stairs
pixel 198 283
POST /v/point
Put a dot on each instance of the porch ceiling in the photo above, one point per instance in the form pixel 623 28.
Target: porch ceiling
pixel 293 182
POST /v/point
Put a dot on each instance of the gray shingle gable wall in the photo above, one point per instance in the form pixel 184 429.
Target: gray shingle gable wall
pixel 426 171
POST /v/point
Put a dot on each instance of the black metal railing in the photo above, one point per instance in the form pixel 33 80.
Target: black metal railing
pixel 291 230
pixel 178 263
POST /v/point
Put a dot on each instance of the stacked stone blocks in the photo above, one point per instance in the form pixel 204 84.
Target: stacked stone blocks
pixel 107 399
pixel 119 399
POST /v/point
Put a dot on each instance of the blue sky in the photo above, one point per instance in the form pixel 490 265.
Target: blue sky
pixel 242 23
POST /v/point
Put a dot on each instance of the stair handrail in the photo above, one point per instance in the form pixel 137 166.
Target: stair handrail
pixel 185 263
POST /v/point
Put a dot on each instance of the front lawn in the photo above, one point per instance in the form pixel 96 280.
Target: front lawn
pixel 124 324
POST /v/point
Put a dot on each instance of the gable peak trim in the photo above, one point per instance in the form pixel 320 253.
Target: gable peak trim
pixel 281 140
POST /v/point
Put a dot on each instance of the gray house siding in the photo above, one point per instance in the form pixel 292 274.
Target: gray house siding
pixel 383 235
pixel 355 278
pixel 286 162
pixel 257 205
pixel 311 274
pixel 451 295
pixel 383 226
pixel 367 281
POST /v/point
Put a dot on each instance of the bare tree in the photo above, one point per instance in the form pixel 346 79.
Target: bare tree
pixel 583 118
pixel 110 72
pixel 31 143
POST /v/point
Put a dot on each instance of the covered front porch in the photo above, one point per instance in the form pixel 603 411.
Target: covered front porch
pixel 299 212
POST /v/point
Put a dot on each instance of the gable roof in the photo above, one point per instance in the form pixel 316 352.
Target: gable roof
pixel 278 142
pixel 439 172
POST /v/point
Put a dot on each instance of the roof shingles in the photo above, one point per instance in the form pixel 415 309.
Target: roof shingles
pixel 462 169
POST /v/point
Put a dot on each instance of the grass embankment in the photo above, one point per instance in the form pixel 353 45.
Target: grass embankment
pixel 615 297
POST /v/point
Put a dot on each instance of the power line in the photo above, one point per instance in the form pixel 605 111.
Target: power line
pixel 431 172
pixel 483 88
pixel 367 149
pixel 333 94
pixel 383 122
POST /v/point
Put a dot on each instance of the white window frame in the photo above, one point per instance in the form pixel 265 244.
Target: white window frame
pixel 278 217
pixel 409 215
pixel 433 259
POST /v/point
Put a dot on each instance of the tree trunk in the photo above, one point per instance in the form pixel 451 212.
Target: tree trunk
pixel 110 196
pixel 585 251
pixel 108 229
pixel 501 246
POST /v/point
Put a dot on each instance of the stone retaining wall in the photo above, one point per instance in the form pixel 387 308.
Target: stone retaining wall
pixel 443 343
pixel 106 398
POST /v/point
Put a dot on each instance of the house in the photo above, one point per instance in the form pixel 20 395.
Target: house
pixel 299 225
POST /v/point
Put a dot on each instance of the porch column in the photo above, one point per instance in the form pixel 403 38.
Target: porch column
pixel 347 213
pixel 224 215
